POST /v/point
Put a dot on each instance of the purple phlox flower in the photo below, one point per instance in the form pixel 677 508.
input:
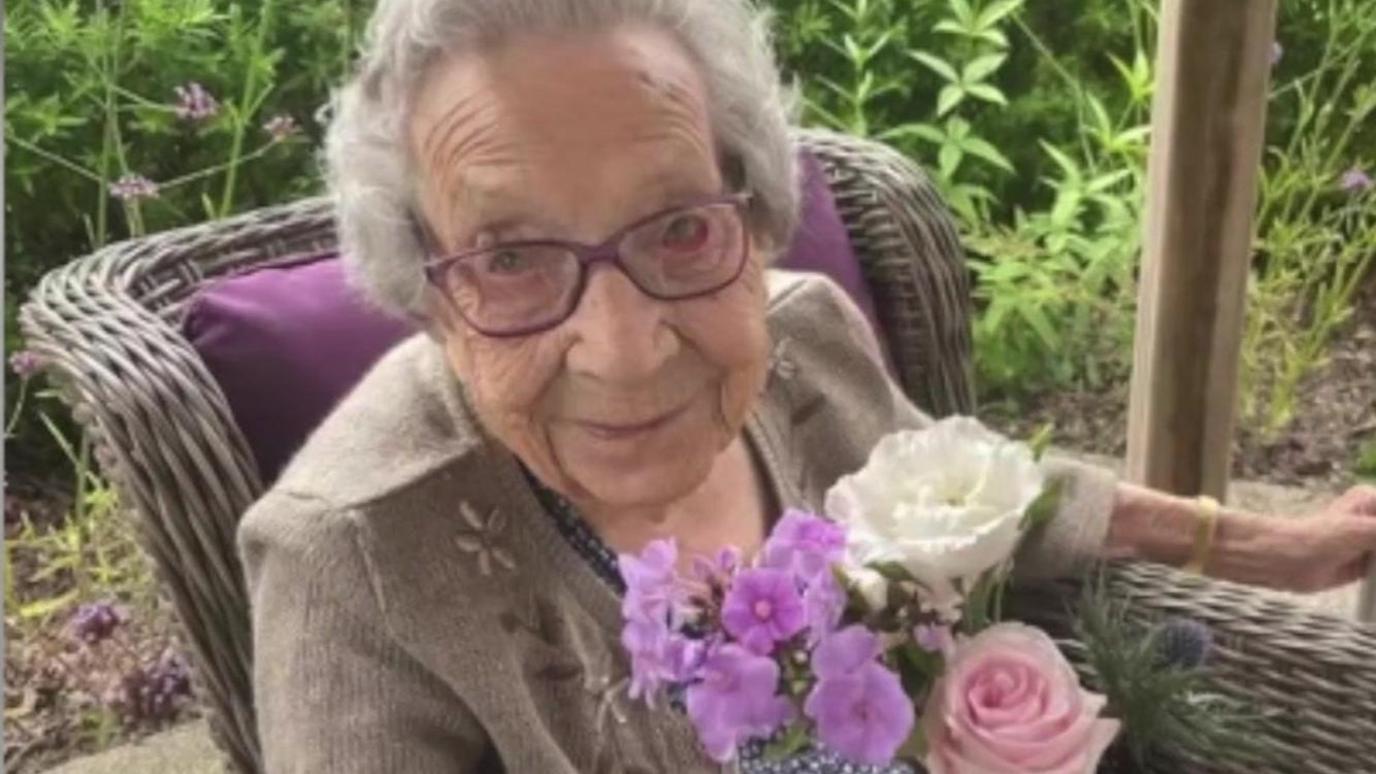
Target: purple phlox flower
pixel 659 656
pixel 155 692
pixel 824 601
pixel 935 638
pixel 858 704
pixel 843 653
pixel 761 608
pixel 281 126
pixel 133 186
pixel 864 716
pixel 1355 181
pixel 1277 51
pixel 96 622
pixel 194 103
pixel 804 543
pixel 736 700
pixel 719 568
pixel 652 592
pixel 25 363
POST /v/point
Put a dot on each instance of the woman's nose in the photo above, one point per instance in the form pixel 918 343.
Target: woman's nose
pixel 621 333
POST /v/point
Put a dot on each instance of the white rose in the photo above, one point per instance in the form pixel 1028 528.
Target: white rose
pixel 871 585
pixel 946 502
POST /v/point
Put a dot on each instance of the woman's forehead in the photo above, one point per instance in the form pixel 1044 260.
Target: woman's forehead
pixel 617 113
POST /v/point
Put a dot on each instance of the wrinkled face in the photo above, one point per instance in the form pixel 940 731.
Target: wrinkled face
pixel 628 401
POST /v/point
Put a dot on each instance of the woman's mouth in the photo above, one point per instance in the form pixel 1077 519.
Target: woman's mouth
pixel 617 431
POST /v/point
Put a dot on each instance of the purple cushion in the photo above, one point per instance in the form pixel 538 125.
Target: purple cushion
pixel 287 341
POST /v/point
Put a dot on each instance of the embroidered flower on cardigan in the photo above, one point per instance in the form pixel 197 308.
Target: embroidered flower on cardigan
pixel 606 694
pixel 482 539
pixel 780 364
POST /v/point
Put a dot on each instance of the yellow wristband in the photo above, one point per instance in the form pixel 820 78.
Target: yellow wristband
pixel 1206 525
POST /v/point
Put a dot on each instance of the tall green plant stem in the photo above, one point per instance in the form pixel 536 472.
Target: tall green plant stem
pixel 246 106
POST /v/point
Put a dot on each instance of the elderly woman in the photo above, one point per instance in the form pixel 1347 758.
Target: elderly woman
pixel 580 199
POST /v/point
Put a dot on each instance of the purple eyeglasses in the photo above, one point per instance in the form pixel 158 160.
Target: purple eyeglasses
pixel 524 287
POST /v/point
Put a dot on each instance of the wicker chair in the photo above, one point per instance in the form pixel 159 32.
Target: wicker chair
pixel 109 325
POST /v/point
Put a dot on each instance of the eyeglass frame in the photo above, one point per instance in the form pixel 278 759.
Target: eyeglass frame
pixel 608 251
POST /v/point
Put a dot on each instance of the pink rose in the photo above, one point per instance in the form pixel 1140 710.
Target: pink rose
pixel 1009 702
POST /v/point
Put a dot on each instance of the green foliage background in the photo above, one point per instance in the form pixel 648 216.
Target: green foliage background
pixel 1030 115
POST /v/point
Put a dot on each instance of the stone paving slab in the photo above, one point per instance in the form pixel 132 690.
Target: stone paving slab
pixel 188 749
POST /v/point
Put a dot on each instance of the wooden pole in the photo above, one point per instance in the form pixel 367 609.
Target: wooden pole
pixel 1208 122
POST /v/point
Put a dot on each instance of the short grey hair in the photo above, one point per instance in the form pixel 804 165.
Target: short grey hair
pixel 368 162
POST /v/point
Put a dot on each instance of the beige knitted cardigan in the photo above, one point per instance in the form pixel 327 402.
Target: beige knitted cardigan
pixel 415 611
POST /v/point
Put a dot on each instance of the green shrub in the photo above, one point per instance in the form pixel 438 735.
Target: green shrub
pixel 92 97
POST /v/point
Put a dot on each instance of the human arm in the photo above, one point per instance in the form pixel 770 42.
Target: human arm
pixel 1100 517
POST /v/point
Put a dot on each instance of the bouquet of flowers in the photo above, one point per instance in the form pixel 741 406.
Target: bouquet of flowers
pixel 873 630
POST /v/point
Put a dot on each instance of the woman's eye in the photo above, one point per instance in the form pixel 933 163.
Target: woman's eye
pixel 507 262
pixel 685 232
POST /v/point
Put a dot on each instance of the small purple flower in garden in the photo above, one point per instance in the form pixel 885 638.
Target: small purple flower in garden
pixel 194 103
pixel 281 126
pixel 155 692
pixel 735 700
pixel 823 603
pixel 95 622
pixel 761 608
pixel 934 638
pixel 1277 51
pixel 651 587
pixel 1355 181
pixel 25 363
pixel 858 705
pixel 804 544
pixel 131 187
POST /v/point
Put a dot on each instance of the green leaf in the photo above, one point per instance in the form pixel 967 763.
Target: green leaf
pixel 938 65
pixel 879 44
pixel 853 50
pixel 994 36
pixel 961 10
pixel 915 746
pixel 1067 165
pixel 1040 325
pixel 995 12
pixel 950 27
pixel 1041 440
pixel 794 739
pixel 978 147
pixel 44 608
pixel 892 571
pixel 980 68
pixel 951 95
pixel 948 159
pixel 920 131
pixel 986 92
pixel 1044 508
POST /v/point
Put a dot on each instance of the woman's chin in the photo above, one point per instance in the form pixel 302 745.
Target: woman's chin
pixel 644 484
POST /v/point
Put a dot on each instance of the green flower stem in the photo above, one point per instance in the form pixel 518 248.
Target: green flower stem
pixel 247 104
pixel 217 168
pixel 56 159
pixel 18 408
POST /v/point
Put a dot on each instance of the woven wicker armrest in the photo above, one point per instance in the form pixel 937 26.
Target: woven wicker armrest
pixel 162 431
pixel 1313 675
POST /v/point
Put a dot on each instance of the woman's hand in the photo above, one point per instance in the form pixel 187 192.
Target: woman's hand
pixel 1330 548
pixel 1334 546
pixel 1307 553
